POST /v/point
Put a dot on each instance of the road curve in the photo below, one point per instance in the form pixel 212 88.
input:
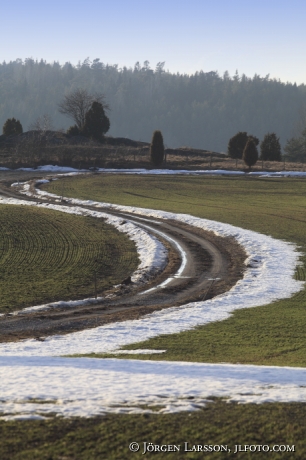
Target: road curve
pixel 201 265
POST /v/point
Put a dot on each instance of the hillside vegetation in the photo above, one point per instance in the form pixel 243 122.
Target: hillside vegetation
pixel 202 110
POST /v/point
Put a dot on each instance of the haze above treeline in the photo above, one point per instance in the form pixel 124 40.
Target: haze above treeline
pixel 202 110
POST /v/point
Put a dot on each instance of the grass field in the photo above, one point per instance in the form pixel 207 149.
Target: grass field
pixel 274 334
pixel 48 255
pixel 108 437
pixel 269 335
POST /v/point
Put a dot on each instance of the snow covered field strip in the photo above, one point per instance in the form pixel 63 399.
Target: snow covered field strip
pixel 214 172
pixel 204 172
pixel 84 387
pixel 152 253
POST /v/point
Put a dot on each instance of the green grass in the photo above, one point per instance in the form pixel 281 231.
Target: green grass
pixel 268 335
pixel 272 206
pixel 108 437
pixel 48 255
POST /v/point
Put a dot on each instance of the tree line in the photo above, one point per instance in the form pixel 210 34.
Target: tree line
pixel 244 146
pixel 202 110
pixel 88 113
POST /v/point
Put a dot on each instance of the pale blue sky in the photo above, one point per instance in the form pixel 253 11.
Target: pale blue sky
pixel 253 36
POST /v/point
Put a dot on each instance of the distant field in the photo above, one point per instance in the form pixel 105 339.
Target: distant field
pixel 270 335
pixel 48 255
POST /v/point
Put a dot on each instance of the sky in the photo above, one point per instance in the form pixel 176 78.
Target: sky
pixel 251 36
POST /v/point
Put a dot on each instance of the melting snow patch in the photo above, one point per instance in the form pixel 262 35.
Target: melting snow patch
pixel 60 304
pixel 54 169
pixel 215 172
pixel 142 351
pixel 85 386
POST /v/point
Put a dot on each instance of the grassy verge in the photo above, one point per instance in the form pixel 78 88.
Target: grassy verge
pixel 109 437
pixel 48 255
pixel 270 335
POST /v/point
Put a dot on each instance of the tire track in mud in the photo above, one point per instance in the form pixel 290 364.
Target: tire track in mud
pixel 213 265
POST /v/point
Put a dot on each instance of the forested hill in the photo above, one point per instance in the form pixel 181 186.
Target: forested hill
pixel 202 110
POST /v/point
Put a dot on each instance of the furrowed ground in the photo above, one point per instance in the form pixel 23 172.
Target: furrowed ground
pixel 47 256
pixel 269 335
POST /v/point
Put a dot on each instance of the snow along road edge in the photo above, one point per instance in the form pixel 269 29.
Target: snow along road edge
pixel 269 277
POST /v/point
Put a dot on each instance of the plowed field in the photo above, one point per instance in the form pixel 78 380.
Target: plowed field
pixel 47 256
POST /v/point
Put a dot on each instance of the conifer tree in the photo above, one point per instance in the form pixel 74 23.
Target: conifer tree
pixel 250 154
pixel 73 131
pixel 96 122
pixel 12 127
pixel 237 144
pixel 270 149
pixel 296 148
pixel 157 150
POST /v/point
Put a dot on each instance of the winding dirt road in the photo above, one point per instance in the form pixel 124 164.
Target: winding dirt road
pixel 200 265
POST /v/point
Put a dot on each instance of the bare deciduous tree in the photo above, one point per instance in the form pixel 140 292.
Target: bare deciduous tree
pixel 42 124
pixel 77 103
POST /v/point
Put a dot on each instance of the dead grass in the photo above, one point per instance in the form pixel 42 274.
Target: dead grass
pixel 92 154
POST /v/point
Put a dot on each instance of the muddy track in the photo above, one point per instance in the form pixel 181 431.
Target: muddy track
pixel 200 266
